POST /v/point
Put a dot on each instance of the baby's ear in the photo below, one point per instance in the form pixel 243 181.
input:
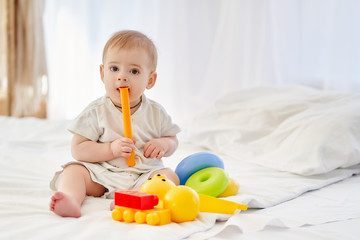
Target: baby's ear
pixel 102 72
pixel 152 80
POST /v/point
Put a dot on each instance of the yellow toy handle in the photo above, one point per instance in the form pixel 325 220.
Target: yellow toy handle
pixel 216 205
pixel 125 105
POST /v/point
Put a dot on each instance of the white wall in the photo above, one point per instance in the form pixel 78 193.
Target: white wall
pixel 206 47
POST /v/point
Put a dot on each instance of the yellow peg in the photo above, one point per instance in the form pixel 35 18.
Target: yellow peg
pixel 216 205
pixel 125 105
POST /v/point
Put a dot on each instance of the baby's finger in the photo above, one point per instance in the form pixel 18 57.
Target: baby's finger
pixel 127 140
pixel 155 153
pixel 160 155
pixel 126 149
pixel 149 150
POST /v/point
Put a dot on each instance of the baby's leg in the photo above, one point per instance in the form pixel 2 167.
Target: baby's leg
pixel 75 183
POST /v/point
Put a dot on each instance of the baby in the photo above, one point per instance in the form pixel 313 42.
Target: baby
pixel 99 145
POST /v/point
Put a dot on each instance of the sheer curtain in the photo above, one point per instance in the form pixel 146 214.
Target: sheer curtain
pixel 23 72
pixel 206 47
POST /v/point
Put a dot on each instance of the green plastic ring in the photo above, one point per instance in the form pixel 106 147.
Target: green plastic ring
pixel 210 181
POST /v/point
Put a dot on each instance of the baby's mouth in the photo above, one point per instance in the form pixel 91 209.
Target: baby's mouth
pixel 118 89
pixel 123 87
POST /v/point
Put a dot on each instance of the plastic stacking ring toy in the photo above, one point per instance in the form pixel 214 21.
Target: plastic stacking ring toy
pixel 231 189
pixel 209 181
pixel 195 162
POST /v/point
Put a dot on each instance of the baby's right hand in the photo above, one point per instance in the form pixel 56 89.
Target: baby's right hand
pixel 122 147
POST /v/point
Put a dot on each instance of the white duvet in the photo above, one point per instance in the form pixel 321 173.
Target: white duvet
pixel 31 150
pixel 294 129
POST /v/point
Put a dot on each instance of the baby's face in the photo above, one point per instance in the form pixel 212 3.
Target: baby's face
pixel 127 68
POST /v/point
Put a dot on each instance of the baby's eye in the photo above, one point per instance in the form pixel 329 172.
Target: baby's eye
pixel 134 71
pixel 114 69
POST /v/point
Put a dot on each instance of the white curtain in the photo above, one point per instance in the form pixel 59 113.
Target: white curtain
pixel 206 47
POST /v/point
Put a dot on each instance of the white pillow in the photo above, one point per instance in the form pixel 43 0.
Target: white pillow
pixel 295 129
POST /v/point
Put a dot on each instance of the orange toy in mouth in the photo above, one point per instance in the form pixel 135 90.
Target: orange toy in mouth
pixel 118 89
pixel 125 104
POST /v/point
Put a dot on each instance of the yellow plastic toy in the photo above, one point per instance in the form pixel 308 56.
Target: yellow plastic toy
pixel 216 205
pixel 125 105
pixel 183 203
pixel 151 217
pixel 231 189
pixel 176 204
pixel 158 185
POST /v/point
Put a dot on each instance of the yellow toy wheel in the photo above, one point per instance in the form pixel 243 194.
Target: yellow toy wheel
pixel 153 219
pixel 140 217
pixel 128 216
pixel 117 214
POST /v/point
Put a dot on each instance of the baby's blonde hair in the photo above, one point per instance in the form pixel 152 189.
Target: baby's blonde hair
pixel 128 39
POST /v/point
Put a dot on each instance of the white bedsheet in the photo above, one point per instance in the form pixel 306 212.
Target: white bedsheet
pixel 31 150
pixel 331 204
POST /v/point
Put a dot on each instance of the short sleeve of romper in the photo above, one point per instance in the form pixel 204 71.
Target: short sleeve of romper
pixel 86 123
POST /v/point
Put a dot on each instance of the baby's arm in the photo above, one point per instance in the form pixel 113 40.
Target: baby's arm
pixel 86 150
pixel 160 147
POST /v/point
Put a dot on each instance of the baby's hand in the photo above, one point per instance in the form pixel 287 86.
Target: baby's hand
pixel 155 148
pixel 122 147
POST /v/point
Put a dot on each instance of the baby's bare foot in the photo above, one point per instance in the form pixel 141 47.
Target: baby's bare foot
pixel 64 206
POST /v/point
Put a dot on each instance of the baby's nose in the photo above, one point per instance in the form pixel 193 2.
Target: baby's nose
pixel 122 77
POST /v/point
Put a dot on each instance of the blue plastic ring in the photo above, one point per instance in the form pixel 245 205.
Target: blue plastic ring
pixel 196 162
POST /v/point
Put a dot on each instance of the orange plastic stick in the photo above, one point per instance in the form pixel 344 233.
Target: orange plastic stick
pixel 124 93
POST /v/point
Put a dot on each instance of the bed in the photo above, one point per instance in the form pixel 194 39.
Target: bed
pixel 295 152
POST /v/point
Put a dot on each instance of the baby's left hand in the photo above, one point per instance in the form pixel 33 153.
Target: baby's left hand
pixel 155 148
